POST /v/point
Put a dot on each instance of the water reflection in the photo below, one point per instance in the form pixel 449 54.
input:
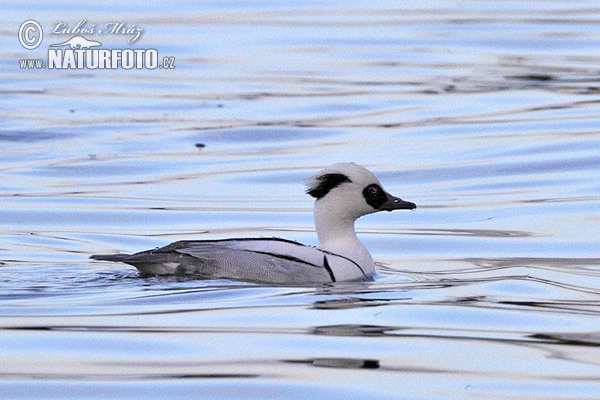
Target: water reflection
pixel 575 339
pixel 347 303
pixel 351 363
pixel 353 330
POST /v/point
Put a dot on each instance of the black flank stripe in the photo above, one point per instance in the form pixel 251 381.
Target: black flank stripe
pixel 328 268
pixel 346 258
pixel 289 258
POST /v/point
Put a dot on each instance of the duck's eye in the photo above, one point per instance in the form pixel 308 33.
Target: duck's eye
pixel 374 195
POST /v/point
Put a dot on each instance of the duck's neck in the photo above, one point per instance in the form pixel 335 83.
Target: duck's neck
pixel 336 234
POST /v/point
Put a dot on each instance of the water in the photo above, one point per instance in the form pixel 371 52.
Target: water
pixel 485 114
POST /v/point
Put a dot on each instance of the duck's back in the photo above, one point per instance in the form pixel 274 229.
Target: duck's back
pixel 270 260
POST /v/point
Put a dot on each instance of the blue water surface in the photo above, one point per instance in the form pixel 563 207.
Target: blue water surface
pixel 485 114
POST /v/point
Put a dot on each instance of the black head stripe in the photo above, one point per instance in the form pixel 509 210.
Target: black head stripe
pixel 327 182
pixel 375 196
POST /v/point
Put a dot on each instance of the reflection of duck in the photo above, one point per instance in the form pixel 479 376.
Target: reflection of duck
pixel 343 193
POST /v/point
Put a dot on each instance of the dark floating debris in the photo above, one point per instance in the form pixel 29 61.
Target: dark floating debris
pixel 200 145
pixel 533 77
pixel 450 88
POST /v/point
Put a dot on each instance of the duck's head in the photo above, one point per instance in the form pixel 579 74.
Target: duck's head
pixel 349 191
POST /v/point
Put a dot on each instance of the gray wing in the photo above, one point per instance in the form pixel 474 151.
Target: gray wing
pixel 229 260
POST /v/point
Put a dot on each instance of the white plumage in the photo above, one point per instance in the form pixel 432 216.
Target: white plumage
pixel 343 192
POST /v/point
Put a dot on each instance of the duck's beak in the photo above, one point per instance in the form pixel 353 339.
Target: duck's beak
pixel 396 203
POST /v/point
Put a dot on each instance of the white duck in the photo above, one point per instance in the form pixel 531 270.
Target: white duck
pixel 343 193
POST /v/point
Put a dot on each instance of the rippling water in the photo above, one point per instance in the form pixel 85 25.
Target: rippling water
pixel 486 114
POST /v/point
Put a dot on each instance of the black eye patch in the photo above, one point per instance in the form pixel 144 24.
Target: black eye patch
pixel 375 196
pixel 327 182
